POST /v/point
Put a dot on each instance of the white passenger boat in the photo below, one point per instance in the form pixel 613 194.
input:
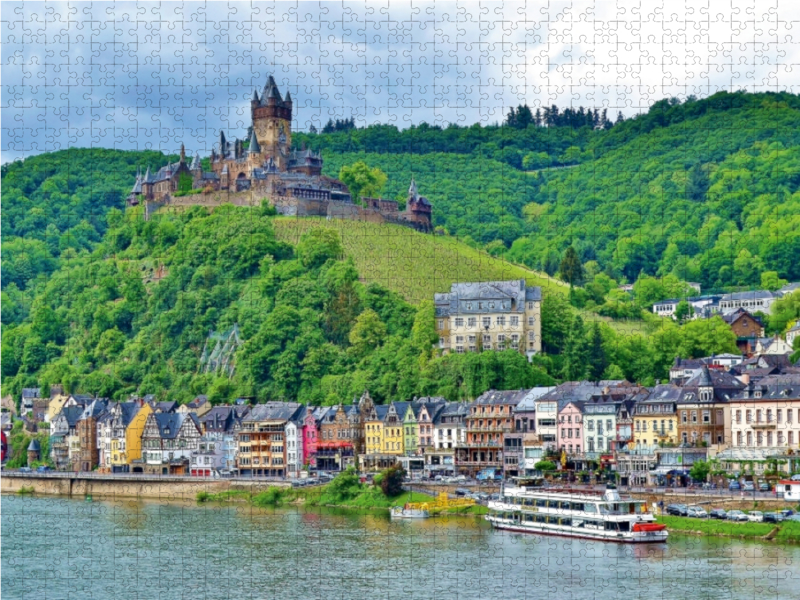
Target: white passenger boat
pixel 575 513
pixel 410 512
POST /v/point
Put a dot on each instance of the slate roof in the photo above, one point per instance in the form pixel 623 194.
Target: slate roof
pixel 31 392
pixel 198 401
pixel 34 446
pixel 528 402
pixel 754 295
pixel 72 414
pixel 169 424
pixel 513 397
pixel 716 378
pixel 165 407
pixel 274 411
pixel 94 409
pixel 772 387
pixel 732 316
pixel 82 399
pixel 486 297
pixel 452 409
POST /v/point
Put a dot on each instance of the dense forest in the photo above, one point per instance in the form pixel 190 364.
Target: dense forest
pixel 701 190
pixel 311 330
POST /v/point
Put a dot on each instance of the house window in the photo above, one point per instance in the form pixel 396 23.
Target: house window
pixel 501 321
pixel 530 305
pixel 459 339
pixel 758 416
pixel 769 416
pixel 739 438
pixel 514 321
pixel 780 416
pixel 486 322
pixel 791 438
pixel 472 322
pixel 459 322
pixel 694 416
pixel 441 324
pixel 738 416
pixel 683 417
pixel 769 438
pixel 749 416
pixel 487 339
pixel 531 320
pixel 706 417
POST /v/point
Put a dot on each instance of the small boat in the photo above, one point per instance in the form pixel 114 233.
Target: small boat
pixel 410 512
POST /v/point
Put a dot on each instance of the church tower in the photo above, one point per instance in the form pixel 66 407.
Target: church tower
pixel 272 122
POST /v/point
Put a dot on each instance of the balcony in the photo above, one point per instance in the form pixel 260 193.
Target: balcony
pixel 764 425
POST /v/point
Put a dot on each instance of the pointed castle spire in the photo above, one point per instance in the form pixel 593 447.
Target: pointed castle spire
pixel 183 155
pixel 254 147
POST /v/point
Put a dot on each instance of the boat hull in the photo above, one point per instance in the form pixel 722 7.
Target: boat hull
pixel 633 537
pixel 409 513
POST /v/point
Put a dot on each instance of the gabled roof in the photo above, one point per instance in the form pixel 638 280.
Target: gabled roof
pixel 94 409
pixel 31 392
pixel 716 378
pixel 72 414
pixel 169 424
pixel 512 397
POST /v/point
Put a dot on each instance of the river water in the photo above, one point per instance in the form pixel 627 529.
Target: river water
pixel 56 548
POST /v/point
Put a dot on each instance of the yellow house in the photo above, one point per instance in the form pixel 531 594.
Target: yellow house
pixel 655 420
pixel 373 430
pixel 393 439
pixel 132 449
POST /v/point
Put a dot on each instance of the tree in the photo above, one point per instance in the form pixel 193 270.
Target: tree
pixel 570 269
pixel 367 333
pixel 697 183
pixel 545 466
pixel 785 312
pixel 771 281
pixel 317 246
pixel 575 352
pixel 363 181
pixel 700 470
pixel 683 311
pixel 596 359
pixel 392 481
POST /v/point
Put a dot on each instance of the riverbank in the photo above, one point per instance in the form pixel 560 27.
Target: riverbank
pixel 364 498
pixel 786 532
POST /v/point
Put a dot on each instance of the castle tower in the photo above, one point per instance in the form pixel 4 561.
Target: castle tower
pixel 183 155
pixel 272 122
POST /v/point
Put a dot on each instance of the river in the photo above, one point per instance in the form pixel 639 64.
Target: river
pixel 57 548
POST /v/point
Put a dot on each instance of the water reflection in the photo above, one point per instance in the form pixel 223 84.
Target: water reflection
pixel 58 548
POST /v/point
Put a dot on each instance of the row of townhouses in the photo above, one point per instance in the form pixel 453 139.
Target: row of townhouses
pixel 736 410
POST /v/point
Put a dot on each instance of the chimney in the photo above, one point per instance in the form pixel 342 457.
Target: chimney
pixel 745 378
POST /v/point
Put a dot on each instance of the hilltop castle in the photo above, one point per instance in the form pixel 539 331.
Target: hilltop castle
pixel 265 166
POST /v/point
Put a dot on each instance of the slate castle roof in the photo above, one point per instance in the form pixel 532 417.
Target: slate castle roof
pixel 486 297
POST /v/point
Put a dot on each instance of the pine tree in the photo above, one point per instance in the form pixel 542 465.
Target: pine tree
pixel 597 360
pixel 571 269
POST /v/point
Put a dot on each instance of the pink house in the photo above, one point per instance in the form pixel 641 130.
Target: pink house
pixel 310 437
pixel 569 430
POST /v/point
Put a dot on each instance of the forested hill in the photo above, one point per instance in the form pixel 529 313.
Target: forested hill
pixel 705 189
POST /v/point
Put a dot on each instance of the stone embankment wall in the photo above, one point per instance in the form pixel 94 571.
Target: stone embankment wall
pixel 133 486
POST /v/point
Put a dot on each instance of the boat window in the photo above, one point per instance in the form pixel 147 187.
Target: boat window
pixel 624 526
pixel 564 505
pixel 565 521
pixel 541 518
pixel 577 523
pixel 529 518
pixel 590 508
pixel 577 506
pixel 541 503
pixel 528 501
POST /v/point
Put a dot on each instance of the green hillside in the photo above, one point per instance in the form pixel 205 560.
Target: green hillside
pixel 413 264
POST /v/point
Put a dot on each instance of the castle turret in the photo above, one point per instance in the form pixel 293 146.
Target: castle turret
pixel 272 122
pixel 183 155
pixel 195 166
pixel 254 147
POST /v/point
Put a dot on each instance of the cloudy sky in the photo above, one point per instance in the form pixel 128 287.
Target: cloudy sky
pixel 150 75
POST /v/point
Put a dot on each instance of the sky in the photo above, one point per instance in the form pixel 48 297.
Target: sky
pixel 143 75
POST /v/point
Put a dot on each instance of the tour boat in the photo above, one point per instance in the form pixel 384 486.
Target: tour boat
pixel 410 512
pixel 575 513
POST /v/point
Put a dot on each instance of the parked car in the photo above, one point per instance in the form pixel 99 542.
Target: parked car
pixel 680 510
pixel 25 470
pixel 495 497
pixel 718 513
pixel 736 515
pixel 787 512
pixel 773 517
pixel 795 477
pixel 43 469
pixel 461 492
pixel 756 516
pixel 795 518
pixel 734 485
pixel 697 512
pixel 748 486
pixel 763 487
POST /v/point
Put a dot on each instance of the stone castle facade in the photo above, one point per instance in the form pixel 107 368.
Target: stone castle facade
pixel 266 166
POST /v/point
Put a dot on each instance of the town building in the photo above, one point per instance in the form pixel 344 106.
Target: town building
pixel 126 450
pixel 767 414
pixel 27 397
pixel 655 417
pixel 491 315
pixel 86 428
pixel 294 444
pixel 755 301
pixel 793 333
pixel 199 406
pixel 310 438
pixel 112 431
pixel 449 432
pixel 569 437
pixel 702 407
pixel 420 428
pixel 775 346
pixel 168 441
pixel 209 459
pixel 262 447
pixel 491 416
pixel 222 425
pixel 64 440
